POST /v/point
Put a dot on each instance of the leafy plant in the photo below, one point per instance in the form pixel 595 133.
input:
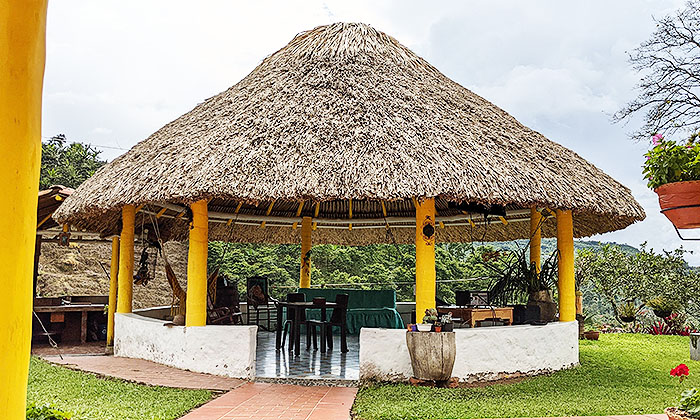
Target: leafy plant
pixel 670 162
pixel 46 412
pixel 67 164
pixel 661 304
pixel 627 310
pixel 431 316
pixel 518 278
pixel 660 328
pixel 690 402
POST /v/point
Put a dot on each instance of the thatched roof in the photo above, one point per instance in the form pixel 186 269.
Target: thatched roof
pixel 345 112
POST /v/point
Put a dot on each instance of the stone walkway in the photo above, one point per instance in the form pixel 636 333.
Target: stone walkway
pixel 265 401
pixel 142 371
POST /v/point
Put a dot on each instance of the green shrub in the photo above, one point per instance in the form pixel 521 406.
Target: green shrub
pixel 46 412
pixel 690 402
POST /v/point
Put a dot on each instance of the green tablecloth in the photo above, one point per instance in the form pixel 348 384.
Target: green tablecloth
pixel 366 308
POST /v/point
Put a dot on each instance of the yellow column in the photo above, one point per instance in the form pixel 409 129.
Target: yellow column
pixel 22 47
pixel 112 306
pixel 425 256
pixel 535 238
pixel 305 271
pixel 126 261
pixel 196 307
pixel 565 247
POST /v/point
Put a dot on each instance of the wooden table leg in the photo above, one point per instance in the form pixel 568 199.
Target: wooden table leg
pixel 83 326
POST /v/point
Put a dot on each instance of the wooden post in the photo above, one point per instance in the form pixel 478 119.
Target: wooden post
pixel 305 270
pixel 565 247
pixel 425 256
pixel 113 287
pixel 22 51
pixel 535 238
pixel 126 261
pixel 196 306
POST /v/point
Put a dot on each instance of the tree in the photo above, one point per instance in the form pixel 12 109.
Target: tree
pixel 67 164
pixel 669 89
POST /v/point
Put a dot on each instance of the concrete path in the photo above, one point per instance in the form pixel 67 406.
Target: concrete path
pixel 145 372
pixel 265 401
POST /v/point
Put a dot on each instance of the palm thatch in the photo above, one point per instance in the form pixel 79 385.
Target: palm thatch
pixel 345 124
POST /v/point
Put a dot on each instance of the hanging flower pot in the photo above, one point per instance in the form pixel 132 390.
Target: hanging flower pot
pixel 680 203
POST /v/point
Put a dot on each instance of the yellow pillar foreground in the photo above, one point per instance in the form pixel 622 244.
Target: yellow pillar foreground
pixel 425 256
pixel 535 238
pixel 112 306
pixel 565 246
pixel 305 271
pixel 22 47
pixel 196 312
pixel 126 261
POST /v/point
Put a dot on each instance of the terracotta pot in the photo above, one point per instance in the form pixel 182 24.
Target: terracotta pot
pixel 674 413
pixel 674 199
pixel 591 335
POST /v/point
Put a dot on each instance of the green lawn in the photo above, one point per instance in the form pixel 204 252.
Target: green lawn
pixel 88 397
pixel 620 374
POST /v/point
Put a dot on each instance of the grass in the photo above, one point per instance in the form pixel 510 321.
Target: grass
pixel 88 397
pixel 620 374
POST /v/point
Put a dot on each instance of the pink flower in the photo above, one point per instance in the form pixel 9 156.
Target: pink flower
pixel 657 139
pixel 689 146
pixel 648 157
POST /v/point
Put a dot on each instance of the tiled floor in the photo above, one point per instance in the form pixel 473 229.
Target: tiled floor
pixel 146 372
pixel 273 363
pixel 278 401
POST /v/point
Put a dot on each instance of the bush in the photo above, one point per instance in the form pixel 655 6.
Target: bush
pixel 46 412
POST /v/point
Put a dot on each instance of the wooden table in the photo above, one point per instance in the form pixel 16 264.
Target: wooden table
pixel 472 315
pixel 64 313
pixel 295 333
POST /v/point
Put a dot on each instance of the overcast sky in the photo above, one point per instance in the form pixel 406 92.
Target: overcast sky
pixel 118 71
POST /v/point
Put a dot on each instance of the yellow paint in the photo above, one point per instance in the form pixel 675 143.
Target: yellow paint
pixel 126 261
pixel 179 215
pixel 383 208
pixel 43 220
pixel 196 312
pixel 565 247
pixel 350 213
pixel 161 212
pixel 305 270
pixel 318 207
pixel 442 225
pixel 138 208
pixel 535 238
pixel 471 222
pixel 425 256
pixel 113 280
pixel 301 206
pixel 267 213
pixel 503 220
pixel 58 198
pixel 66 227
pixel 22 47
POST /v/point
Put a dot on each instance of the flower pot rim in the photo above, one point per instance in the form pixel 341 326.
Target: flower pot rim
pixel 678 183
pixel 677 413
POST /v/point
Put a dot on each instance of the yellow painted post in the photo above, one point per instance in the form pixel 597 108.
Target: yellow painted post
pixel 535 238
pixel 113 279
pixel 126 261
pixel 196 307
pixel 305 270
pixel 565 247
pixel 22 48
pixel 425 256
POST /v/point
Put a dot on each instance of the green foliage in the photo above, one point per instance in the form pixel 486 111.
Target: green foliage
pixel 618 276
pixel 619 374
pixel 517 278
pixel 690 402
pixel 67 164
pixel 91 398
pixel 671 162
pixel 662 305
pixel 628 309
pixel 46 412
pixel 430 316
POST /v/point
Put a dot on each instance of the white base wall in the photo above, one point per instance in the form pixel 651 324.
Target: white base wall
pixel 485 353
pixel 226 350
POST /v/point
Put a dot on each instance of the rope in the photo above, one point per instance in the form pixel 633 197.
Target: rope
pixel 52 343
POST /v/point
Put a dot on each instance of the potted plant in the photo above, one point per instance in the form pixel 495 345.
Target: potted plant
pixel 672 170
pixel 429 319
pixel 662 307
pixel 627 311
pixel 446 321
pixel 432 355
pixel 591 334
pixel 689 404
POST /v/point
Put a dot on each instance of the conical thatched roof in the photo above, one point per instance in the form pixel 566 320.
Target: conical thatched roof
pixel 345 112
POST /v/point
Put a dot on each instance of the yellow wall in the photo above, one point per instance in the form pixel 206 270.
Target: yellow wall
pixel 113 280
pixel 196 312
pixel 126 261
pixel 535 238
pixel 425 256
pixel 567 285
pixel 22 49
pixel 305 270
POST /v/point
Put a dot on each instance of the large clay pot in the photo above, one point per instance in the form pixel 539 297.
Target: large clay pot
pixel 432 354
pixel 674 413
pixel 674 199
pixel 543 300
